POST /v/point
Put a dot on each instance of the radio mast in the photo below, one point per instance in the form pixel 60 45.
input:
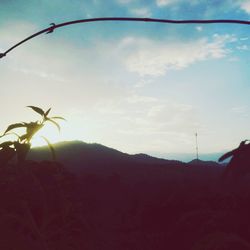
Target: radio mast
pixel 196 143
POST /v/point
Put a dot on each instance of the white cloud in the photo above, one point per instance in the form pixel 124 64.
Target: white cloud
pixel 124 1
pixel 13 32
pixel 162 3
pixel 199 28
pixel 140 99
pixel 141 12
pixel 240 110
pixel 211 10
pixel 245 5
pixel 244 38
pixel 51 71
pixel 167 125
pixel 154 58
pixel 155 124
pixel 243 47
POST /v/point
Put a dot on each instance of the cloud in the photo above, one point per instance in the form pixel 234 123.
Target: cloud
pixel 151 115
pixel 13 32
pixel 141 12
pixel 245 5
pixel 221 5
pixel 243 47
pixel 52 71
pixel 240 110
pixel 157 124
pixel 199 28
pixel 162 3
pixel 244 38
pixel 153 58
pixel 124 1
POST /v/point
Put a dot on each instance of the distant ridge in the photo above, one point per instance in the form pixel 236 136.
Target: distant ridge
pixel 203 163
pixel 79 155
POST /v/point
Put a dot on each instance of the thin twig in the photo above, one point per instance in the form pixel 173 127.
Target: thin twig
pixel 126 19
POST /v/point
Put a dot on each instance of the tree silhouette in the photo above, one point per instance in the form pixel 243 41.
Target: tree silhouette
pixel 239 164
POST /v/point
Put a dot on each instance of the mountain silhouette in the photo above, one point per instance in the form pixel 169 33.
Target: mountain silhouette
pixel 80 153
pixel 96 159
pixel 197 162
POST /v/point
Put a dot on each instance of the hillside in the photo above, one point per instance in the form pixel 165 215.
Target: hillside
pixel 83 158
pixel 79 155
pixel 122 201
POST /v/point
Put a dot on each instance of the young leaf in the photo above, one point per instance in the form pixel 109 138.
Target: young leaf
pixel 36 109
pixel 55 123
pixel 58 117
pixel 53 152
pixel 12 126
pixel 23 137
pixel 32 128
pixel 47 112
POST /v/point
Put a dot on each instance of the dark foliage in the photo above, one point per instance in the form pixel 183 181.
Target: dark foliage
pixel 118 201
pixel 239 165
pixel 39 208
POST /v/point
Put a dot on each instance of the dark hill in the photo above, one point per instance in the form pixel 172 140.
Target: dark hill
pixel 79 154
pixel 197 162
pixel 134 201
pixel 85 158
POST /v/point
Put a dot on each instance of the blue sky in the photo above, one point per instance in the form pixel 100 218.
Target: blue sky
pixel 137 87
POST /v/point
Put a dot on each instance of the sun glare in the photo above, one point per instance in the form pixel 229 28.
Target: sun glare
pixel 49 132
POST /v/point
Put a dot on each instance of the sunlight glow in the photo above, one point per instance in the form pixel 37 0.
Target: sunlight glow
pixel 48 131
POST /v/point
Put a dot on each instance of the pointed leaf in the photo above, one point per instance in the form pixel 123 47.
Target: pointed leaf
pixel 6 144
pixel 55 123
pixel 32 128
pixel 58 117
pixel 36 109
pixel 23 137
pixel 15 125
pixel 47 112
pixel 227 155
pixel 53 153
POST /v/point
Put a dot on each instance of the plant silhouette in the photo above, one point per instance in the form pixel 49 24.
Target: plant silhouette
pixel 21 147
pixel 239 164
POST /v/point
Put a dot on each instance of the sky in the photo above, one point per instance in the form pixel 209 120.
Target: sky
pixel 136 87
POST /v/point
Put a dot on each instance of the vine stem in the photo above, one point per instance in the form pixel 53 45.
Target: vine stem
pixel 125 19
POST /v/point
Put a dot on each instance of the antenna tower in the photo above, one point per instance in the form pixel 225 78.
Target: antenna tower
pixel 196 143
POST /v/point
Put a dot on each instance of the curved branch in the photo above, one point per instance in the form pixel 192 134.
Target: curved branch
pixel 126 19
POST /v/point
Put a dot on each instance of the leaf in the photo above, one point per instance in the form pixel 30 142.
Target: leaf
pixel 6 144
pixel 227 155
pixel 55 123
pixel 15 125
pixel 58 117
pixel 23 137
pixel 36 109
pixel 32 128
pixel 47 112
pixel 53 152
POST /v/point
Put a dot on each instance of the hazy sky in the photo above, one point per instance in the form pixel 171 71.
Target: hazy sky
pixel 137 87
